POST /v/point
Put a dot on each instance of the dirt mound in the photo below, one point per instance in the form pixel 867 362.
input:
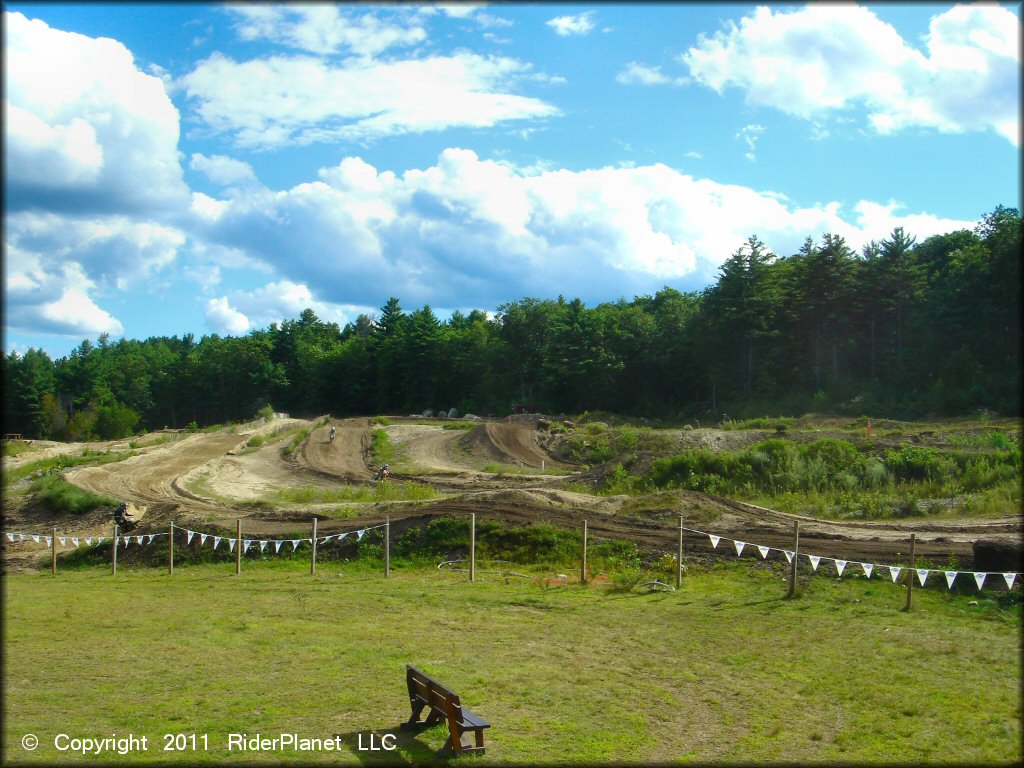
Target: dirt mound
pixel 346 456
pixel 508 443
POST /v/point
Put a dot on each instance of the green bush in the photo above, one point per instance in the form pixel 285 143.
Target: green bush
pixel 266 413
pixel 59 496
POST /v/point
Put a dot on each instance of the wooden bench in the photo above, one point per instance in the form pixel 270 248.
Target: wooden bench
pixel 444 704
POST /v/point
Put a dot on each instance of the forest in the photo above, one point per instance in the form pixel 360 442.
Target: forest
pixel 902 329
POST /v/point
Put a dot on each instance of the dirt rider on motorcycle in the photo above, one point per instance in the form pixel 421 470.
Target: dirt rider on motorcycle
pixel 383 472
pixel 333 432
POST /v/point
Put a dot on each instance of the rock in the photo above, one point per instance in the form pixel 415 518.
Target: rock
pixel 687 427
pixel 428 413
pixel 472 417
pixel 995 556
pixel 543 424
pixel 453 413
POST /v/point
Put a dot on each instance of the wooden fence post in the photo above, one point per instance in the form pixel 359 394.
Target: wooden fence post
pixel 238 548
pixel 387 546
pixel 679 559
pixel 54 548
pixel 170 567
pixel 312 557
pixel 796 556
pixel 583 562
pixel 910 574
pixel 472 546
pixel 115 549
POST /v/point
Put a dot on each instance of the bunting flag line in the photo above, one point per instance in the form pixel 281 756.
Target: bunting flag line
pixel 248 543
pixel 360 534
pixel 277 546
pixel 739 547
pixel 49 541
pixel 868 568
pixel 35 538
pixel 950 575
pixel 789 555
pixel 922 574
pixel 88 541
pixel 764 552
pixel 74 540
pixel 10 537
pixel 894 572
pixel 190 535
pixel 814 561
pixel 295 544
pixel 840 564
pixel 62 541
pixel 1008 578
pixel 216 542
pixel 714 541
pixel 231 545
pixel 263 545
pixel 139 539
pixel 979 579
pixel 202 538
pixel 100 540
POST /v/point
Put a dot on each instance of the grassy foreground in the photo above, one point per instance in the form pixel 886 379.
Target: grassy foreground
pixel 724 670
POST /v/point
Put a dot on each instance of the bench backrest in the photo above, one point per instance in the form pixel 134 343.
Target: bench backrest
pixel 427 689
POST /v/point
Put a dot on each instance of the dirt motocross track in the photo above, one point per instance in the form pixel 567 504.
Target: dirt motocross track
pixel 209 480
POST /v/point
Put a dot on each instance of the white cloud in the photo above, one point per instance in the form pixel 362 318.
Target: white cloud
pixel 694 155
pixel 580 24
pixel 640 74
pixel 222 170
pixel 749 135
pixel 56 300
pixel 113 251
pixel 85 125
pixel 826 57
pixel 273 303
pixel 224 319
pixel 263 104
pixel 323 28
pixel 478 232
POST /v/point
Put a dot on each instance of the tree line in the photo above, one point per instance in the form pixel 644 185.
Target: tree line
pixel 900 329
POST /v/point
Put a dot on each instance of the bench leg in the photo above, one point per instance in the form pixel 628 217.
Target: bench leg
pixel 413 721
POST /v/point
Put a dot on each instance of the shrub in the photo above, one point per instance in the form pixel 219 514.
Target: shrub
pixel 910 463
pixel 266 413
pixel 57 495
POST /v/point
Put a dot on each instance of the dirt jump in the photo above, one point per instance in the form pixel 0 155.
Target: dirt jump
pixel 493 470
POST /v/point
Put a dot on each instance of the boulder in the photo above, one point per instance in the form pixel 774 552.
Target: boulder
pixel 453 413
pixel 428 413
pixel 994 556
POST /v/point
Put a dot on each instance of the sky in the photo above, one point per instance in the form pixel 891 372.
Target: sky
pixel 200 168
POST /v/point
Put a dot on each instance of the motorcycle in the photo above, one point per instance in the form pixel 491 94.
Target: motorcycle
pixel 333 433
pixel 382 474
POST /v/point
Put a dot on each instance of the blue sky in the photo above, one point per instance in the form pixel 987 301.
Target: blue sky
pixel 195 168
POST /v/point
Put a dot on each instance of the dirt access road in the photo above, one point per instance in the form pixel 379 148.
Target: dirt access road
pixel 208 480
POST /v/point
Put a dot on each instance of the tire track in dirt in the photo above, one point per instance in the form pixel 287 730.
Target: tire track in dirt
pixel 345 457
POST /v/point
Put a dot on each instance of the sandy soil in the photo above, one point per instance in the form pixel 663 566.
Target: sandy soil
pixel 204 479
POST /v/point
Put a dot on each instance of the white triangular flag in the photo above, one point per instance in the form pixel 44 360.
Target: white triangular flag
pixel 277 546
pixel 739 547
pixel 263 545
pixel 100 540
pixel 202 538
pixel 35 538
pixel 49 541
pixel 764 552
pixel 894 572
pixel 216 542
pixel 342 535
pixel 139 539
pixel 10 537
pixel 88 541
pixel 74 540
pixel 950 575
pixel 789 555
pixel 231 545
pixel 190 535
pixel 1008 578
pixel 22 537
pixel 248 543
pixel 922 574
pixel 868 568
pixel 127 540
pixel 714 541
pixel 62 540
pixel 979 579
pixel 840 564
pixel 295 544
pixel 814 561
pixel 360 534
pixel 151 537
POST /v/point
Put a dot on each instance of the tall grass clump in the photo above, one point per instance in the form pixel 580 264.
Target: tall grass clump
pixel 382 448
pixel 56 495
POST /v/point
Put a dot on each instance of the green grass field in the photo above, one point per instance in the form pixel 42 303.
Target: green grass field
pixel 724 670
